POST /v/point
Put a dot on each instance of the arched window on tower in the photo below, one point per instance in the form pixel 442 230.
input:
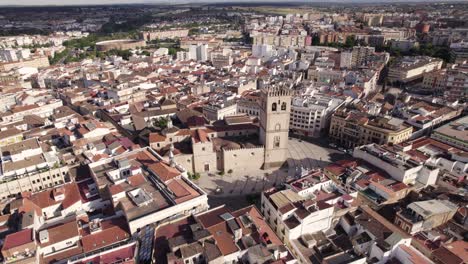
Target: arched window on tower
pixel 283 106
pixel 273 107
pixel 278 127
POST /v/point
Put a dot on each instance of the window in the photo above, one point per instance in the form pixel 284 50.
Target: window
pixel 283 106
pixel 278 127
pixel 276 142
pixel 273 107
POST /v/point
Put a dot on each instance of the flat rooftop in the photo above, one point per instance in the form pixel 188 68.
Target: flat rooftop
pixel 19 147
pixel 457 129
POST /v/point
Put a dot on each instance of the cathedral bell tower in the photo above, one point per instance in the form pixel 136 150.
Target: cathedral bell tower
pixel 274 124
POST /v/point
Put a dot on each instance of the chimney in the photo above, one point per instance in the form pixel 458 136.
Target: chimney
pixel 95 226
pixel 58 193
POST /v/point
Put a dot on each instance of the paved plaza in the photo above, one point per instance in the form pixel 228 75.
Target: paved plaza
pixel 300 154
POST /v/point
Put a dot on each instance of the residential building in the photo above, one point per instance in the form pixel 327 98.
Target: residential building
pixel 221 236
pixel 20 247
pixel 351 128
pixel 147 189
pixel 400 166
pixel 311 115
pixel 459 52
pixel 198 52
pixel 453 133
pixel 165 34
pixel 374 236
pixel 425 215
pixel 456 86
pixel 408 69
pixel 305 206
pixel 361 55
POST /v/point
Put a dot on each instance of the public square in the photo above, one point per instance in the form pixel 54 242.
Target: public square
pixel 314 154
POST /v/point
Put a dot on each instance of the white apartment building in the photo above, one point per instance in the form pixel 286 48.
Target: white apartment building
pixel 294 211
pixel 263 50
pixel 411 68
pixel 198 52
pixel 398 165
pixel 310 115
pixel 219 110
pixel 324 75
pixel 25 166
pixel 182 56
pixel 43 110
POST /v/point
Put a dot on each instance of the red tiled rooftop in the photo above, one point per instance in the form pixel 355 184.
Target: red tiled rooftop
pixel 136 180
pixel 113 231
pixel 17 239
pixel 164 171
pixel 212 217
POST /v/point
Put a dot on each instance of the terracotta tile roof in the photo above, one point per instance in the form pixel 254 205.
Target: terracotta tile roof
pixel 459 248
pixel 46 198
pixel 335 169
pixel 72 195
pixel 61 232
pixel 113 231
pixel 62 255
pixel 182 190
pixel 414 257
pixel 164 172
pixel 287 208
pixel 17 239
pixel 224 238
pixel 212 218
pixel 115 189
pixel 156 137
pixel 136 180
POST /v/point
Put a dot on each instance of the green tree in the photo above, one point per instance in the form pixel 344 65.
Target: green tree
pixel 350 41
pixel 160 122
pixel 315 40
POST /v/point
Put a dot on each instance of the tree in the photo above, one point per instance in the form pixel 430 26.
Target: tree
pixel 315 40
pixel 161 122
pixel 350 41
pixel 193 176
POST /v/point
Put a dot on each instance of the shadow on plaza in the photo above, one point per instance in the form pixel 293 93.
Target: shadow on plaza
pixel 229 185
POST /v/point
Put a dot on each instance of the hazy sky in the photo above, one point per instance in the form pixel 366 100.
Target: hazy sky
pixel 97 2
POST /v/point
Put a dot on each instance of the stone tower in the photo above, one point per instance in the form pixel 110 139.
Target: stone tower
pixel 274 124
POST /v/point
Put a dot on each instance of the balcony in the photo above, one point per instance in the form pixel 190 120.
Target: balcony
pixel 410 216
